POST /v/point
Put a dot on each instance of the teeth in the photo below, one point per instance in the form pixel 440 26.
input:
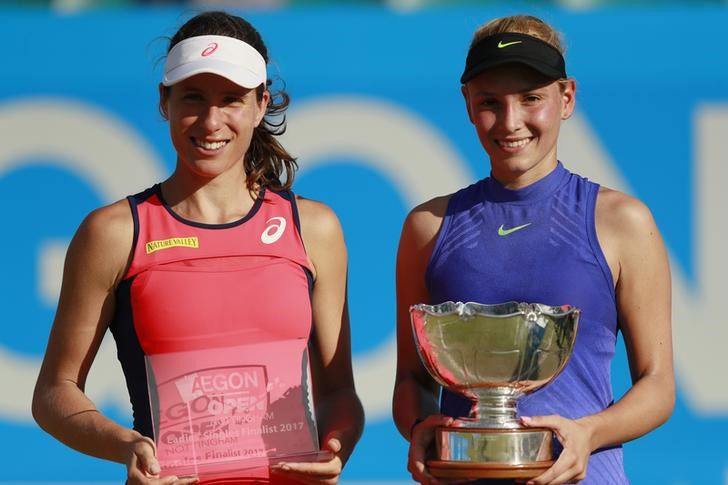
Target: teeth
pixel 514 144
pixel 210 145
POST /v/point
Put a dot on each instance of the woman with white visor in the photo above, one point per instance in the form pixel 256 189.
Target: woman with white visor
pixel 219 254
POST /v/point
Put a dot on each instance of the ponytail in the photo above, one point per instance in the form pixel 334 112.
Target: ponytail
pixel 266 161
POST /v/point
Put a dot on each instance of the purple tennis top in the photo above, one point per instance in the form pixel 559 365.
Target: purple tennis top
pixel 537 244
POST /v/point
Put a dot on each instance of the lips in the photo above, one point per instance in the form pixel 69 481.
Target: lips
pixel 514 144
pixel 209 145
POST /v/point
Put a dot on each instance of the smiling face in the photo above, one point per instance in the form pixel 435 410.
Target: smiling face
pixel 517 114
pixel 211 122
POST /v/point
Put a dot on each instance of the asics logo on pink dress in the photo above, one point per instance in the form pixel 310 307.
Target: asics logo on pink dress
pixel 274 231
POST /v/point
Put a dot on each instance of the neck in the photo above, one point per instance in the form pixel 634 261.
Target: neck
pixel 515 178
pixel 218 200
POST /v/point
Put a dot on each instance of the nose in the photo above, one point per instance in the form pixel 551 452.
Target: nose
pixel 510 116
pixel 212 118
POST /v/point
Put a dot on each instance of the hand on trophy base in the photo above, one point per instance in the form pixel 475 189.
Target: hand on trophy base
pixel 491 453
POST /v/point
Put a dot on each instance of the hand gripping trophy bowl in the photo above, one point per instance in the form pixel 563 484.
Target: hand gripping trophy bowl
pixel 493 354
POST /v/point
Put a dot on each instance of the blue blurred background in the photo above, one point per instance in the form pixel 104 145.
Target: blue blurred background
pixel 378 124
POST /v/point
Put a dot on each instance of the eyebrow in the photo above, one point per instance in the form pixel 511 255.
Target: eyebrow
pixel 236 93
pixel 522 91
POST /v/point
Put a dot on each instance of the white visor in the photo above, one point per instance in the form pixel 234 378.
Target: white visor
pixel 228 57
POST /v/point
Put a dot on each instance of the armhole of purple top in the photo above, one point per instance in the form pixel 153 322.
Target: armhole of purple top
pixel 591 229
pixel 441 235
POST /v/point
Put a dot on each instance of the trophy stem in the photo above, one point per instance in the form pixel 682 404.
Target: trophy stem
pixel 494 410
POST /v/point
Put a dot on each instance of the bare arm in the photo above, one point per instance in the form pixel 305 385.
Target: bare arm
pixel 636 255
pixel 415 393
pixel 339 410
pixel 95 263
pixel 639 262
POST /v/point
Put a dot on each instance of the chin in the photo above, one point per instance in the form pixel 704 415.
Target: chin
pixel 513 164
pixel 203 169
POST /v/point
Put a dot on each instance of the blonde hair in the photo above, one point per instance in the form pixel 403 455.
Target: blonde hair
pixel 522 24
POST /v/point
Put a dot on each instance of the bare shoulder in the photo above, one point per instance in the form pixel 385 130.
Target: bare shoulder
pixel 623 215
pixel 112 224
pixel 113 217
pixel 424 221
pixel 627 232
pixel 104 239
pixel 323 238
pixel 319 223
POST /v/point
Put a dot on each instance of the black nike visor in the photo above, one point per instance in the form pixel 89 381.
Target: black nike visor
pixel 511 47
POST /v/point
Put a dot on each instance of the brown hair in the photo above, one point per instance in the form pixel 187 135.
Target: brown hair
pixel 266 160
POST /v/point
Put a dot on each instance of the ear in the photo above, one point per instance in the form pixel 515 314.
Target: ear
pixel 568 97
pixel 466 96
pixel 163 99
pixel 262 106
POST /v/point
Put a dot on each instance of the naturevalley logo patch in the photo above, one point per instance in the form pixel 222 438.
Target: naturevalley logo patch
pixel 173 242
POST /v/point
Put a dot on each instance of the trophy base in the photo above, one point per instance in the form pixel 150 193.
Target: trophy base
pixel 459 469
pixel 491 452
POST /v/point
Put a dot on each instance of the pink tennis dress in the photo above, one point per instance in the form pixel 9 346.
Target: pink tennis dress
pixel 192 287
